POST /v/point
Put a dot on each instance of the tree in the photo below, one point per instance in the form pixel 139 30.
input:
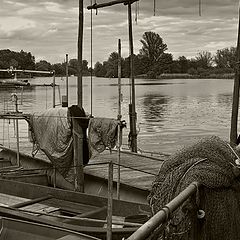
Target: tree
pixel 153 47
pixel 183 63
pixel 204 60
pixel 43 65
pixel 99 70
pixel 225 58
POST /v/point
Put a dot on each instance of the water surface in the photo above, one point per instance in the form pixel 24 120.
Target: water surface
pixel 170 113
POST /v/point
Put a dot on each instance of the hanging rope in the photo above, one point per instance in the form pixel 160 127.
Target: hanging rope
pixel 91 55
pixel 200 7
pixel 154 7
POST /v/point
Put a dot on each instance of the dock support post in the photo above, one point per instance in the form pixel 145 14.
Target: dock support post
pixel 235 103
pixel 67 79
pixel 78 156
pixel 54 92
pixel 110 199
pixel 119 118
pixel 133 114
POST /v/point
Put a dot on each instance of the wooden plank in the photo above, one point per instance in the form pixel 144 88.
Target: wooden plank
pixel 30 202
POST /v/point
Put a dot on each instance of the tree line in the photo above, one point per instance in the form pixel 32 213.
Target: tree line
pixel 152 61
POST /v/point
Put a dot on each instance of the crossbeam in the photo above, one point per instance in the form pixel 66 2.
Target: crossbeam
pixel 9 70
pixel 102 5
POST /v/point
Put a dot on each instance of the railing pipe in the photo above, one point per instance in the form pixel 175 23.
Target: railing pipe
pixel 145 230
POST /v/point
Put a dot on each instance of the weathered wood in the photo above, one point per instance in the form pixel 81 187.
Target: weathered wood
pixel 67 78
pixel 235 101
pixel 133 114
pixel 54 91
pixel 102 5
pixel 80 49
pixel 30 202
pixel 119 117
pixel 78 156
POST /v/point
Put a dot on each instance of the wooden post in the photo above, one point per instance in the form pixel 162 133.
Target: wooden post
pixel 133 115
pixel 80 49
pixel 119 118
pixel 235 102
pixel 78 156
pixel 67 78
pixel 54 96
pixel 110 199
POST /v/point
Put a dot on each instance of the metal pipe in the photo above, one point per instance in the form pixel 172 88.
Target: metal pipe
pixel 145 230
pixel 110 201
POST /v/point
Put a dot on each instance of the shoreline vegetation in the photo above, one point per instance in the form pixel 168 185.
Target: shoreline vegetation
pixel 152 62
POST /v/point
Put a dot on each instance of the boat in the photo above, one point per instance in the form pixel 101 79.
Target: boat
pixel 72 211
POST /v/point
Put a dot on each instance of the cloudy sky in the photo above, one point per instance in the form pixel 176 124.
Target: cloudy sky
pixel 49 29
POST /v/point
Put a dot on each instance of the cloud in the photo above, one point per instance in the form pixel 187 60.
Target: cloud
pixel 49 28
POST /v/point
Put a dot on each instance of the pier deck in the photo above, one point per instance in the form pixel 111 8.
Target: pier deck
pixel 136 170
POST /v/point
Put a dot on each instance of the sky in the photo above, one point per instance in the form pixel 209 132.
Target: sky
pixel 49 29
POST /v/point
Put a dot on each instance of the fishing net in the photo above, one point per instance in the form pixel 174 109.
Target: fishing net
pixel 211 162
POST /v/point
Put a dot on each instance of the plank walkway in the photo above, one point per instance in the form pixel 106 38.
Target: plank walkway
pixel 138 171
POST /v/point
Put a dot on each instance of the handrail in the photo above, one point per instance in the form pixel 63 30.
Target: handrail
pixel 163 215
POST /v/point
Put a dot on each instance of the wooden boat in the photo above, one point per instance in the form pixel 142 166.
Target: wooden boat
pixel 12 229
pixel 135 179
pixel 69 210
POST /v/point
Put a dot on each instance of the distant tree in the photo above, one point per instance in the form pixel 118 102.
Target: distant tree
pixel 183 63
pixel 225 58
pixel 99 70
pixel 204 60
pixel 60 69
pixel 43 65
pixel 153 46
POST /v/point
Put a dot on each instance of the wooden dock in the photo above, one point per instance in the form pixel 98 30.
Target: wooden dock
pixel 136 170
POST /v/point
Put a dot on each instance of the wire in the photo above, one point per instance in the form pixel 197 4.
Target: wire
pixel 91 56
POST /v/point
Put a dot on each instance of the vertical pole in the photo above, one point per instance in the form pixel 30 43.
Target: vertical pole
pixel 54 92
pixel 80 49
pixel 77 130
pixel 67 78
pixel 110 198
pixel 119 117
pixel 78 156
pixel 235 103
pixel 17 129
pixel 133 115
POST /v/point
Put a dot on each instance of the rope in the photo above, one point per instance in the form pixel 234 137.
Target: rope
pixel 91 58
pixel 200 7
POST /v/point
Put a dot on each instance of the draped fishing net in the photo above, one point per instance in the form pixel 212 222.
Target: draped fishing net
pixel 211 162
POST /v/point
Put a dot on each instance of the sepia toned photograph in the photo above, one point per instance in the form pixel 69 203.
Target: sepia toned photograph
pixel 119 119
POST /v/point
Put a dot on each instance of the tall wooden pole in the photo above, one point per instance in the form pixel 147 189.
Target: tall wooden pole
pixel 119 118
pixel 77 130
pixel 80 47
pixel 132 114
pixel 235 102
pixel 67 78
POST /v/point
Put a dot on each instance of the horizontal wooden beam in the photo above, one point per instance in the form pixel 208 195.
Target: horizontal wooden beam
pixel 9 70
pixel 102 5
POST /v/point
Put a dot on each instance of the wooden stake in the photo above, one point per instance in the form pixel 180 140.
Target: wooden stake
pixel 235 103
pixel 133 114
pixel 119 117
pixel 80 47
pixel 54 92
pixel 67 78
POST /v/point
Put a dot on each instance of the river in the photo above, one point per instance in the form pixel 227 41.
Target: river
pixel 171 113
